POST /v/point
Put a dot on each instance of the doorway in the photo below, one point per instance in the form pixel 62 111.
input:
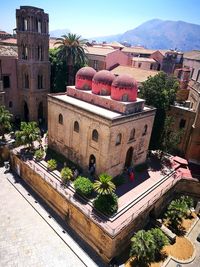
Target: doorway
pixel 129 157
pixel 26 112
pixel 40 112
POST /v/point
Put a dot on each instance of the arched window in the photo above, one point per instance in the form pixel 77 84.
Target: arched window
pixel 60 118
pixel 145 130
pixel 76 126
pixel 118 139
pixel 132 134
pixel 95 135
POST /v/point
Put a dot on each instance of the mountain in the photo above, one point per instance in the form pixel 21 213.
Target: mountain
pixel 161 34
pixel 59 32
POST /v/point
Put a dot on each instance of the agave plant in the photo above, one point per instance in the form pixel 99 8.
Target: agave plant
pixel 104 186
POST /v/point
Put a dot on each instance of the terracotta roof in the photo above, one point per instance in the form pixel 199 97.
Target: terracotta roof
pixel 140 50
pixel 9 41
pixel 194 54
pixel 139 75
pixel 142 59
pixel 6 50
pixel 100 51
pixel 115 44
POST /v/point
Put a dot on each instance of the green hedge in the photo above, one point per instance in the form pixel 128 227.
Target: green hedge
pixel 83 186
pixel 107 204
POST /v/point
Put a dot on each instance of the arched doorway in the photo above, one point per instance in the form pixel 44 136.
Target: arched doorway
pixel 129 157
pixel 40 111
pixel 26 112
pixel 92 165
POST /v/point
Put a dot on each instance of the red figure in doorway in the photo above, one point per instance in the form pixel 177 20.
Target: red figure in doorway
pixel 131 176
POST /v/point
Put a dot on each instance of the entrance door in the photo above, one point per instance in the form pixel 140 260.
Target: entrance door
pixel 129 157
pixel 40 112
pixel 26 112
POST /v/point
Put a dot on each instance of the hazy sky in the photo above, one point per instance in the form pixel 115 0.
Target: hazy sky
pixel 92 18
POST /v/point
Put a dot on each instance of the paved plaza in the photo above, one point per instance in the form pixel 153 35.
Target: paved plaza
pixel 26 238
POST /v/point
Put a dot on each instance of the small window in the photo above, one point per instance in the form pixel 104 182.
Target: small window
pixel 26 81
pixel 118 139
pixel 40 53
pixel 24 52
pixel 145 130
pixel 95 136
pixel 191 73
pixel 151 66
pixel 60 118
pixel 10 104
pixel 132 135
pixel 6 81
pixel 182 123
pixel 76 127
pixel 40 82
pixel 139 65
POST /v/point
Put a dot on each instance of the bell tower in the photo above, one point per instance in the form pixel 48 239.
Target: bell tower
pixel 33 62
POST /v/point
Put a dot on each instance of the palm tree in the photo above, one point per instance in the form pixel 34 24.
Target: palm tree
pixel 29 132
pixel 143 247
pixel 176 211
pixel 104 186
pixel 71 50
pixel 5 119
pixel 160 239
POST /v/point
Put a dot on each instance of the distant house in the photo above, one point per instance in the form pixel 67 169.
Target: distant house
pixel 145 63
pixel 105 57
pixel 140 75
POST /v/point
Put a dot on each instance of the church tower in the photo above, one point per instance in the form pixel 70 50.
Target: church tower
pixel 33 62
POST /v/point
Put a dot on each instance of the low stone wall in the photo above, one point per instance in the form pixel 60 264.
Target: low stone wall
pixel 104 244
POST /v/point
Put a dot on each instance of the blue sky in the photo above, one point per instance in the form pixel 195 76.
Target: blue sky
pixel 91 18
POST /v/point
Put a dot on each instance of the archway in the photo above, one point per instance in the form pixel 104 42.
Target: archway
pixel 26 112
pixel 129 157
pixel 40 112
pixel 92 164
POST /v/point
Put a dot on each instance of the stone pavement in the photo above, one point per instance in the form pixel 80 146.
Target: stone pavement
pixel 28 234
pixel 192 236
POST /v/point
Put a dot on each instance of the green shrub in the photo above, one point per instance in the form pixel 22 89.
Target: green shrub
pixel 107 204
pixel 119 180
pixel 51 164
pixel 39 154
pixel 66 174
pixel 83 186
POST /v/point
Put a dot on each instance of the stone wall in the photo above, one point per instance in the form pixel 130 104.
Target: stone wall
pixel 94 234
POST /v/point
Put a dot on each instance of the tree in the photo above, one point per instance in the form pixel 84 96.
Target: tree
pixel 71 50
pixel 159 91
pixel 5 120
pixel 169 138
pixel 58 72
pixel 176 211
pixel 143 247
pixel 29 132
pixel 104 186
pixel 160 239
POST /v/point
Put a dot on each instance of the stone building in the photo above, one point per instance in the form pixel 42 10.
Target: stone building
pixel 25 66
pixel 107 58
pixel 33 61
pixel 187 113
pixel 100 120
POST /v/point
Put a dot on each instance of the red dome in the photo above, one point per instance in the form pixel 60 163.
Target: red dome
pixel 84 78
pixel 101 83
pixel 124 88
